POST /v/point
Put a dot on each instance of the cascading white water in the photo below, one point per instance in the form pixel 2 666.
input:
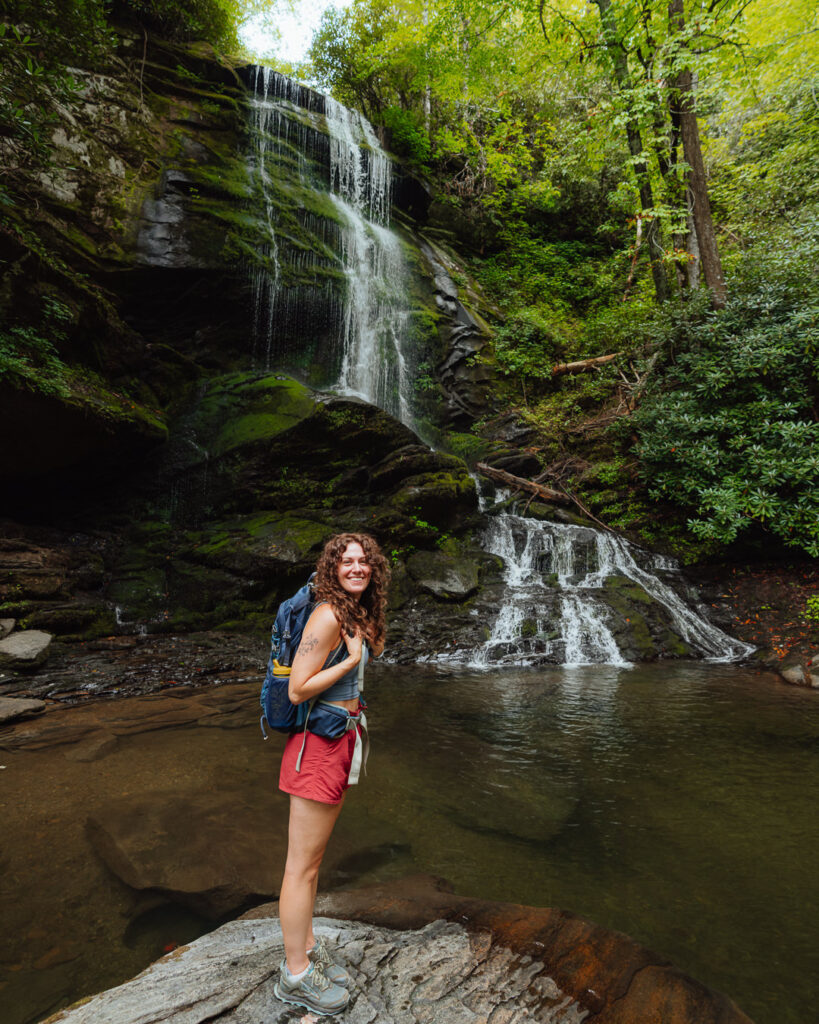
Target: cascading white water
pixel 550 611
pixel 554 574
pixel 370 313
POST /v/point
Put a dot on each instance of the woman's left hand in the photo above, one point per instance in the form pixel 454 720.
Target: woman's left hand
pixel 354 644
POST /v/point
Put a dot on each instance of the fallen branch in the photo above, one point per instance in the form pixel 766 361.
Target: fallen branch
pixel 583 364
pixel 518 482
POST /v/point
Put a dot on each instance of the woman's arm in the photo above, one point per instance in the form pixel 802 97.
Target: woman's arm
pixel 307 677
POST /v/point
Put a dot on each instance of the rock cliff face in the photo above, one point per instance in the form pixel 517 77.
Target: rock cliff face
pixel 198 485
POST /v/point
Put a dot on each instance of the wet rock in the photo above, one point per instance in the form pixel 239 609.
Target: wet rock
pixel 793 673
pixel 6 627
pixel 643 628
pixel 416 954
pixel 25 649
pixel 447 577
pixel 12 708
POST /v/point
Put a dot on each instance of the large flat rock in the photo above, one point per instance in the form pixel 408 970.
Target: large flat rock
pixel 438 973
pixel 420 955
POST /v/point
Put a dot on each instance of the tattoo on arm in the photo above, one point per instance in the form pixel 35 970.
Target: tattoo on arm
pixel 308 644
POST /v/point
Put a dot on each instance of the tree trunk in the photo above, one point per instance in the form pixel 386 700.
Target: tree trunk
pixel 635 146
pixel 427 87
pixel 683 93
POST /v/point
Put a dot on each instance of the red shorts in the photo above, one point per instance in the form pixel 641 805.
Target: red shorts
pixel 325 766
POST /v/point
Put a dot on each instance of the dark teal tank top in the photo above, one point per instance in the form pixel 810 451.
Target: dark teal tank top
pixel 347 687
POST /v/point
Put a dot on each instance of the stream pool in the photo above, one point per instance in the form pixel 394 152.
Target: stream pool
pixel 678 803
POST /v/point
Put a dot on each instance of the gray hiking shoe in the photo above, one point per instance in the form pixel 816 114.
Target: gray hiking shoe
pixel 314 991
pixel 320 955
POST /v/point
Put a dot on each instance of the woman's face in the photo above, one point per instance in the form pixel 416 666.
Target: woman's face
pixel 354 570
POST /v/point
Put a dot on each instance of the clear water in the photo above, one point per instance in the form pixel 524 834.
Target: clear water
pixel 676 802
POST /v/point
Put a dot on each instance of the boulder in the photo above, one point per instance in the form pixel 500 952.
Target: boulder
pixel 6 627
pixel 12 708
pixel 24 650
pixel 793 670
pixel 417 953
pixel 446 577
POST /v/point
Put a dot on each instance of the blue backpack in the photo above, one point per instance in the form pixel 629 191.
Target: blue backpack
pixel 291 618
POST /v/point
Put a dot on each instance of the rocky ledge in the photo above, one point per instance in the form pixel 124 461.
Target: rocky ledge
pixel 418 953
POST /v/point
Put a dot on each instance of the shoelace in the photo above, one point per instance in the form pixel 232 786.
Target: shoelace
pixel 321 954
pixel 319 979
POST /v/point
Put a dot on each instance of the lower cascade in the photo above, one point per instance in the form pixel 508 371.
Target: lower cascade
pixel 553 611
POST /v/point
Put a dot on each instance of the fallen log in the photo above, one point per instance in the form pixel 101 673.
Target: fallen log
pixel 583 364
pixel 518 482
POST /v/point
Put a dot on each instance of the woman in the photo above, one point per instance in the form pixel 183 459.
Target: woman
pixel 351 588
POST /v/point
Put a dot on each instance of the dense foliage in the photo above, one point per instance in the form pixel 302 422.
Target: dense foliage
pixel 730 429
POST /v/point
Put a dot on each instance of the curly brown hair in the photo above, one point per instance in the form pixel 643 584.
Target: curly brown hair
pixel 369 613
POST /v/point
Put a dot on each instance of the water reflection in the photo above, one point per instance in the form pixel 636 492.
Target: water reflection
pixel 675 802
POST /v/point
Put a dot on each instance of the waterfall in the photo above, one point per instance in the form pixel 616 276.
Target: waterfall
pixel 553 608
pixel 330 283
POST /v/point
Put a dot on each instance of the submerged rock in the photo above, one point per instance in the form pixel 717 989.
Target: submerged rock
pixel 210 853
pixel 419 954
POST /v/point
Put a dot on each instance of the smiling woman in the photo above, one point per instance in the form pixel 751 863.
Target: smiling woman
pixel 317 770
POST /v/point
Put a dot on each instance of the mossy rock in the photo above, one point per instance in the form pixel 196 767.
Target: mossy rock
pixel 259 546
pixel 468 447
pixel 267 407
pixel 62 619
pixel 440 498
pixel 411 460
pixel 140 594
pixel 642 627
pixel 447 577
pixel 626 589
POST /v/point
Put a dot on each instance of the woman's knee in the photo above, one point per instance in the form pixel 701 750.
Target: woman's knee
pixel 300 871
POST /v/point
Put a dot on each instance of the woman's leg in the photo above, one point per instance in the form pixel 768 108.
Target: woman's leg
pixel 311 824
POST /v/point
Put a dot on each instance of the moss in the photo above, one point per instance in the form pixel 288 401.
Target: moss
pixel 674 645
pixel 18 609
pixel 468 447
pixel 251 428
pixel 627 589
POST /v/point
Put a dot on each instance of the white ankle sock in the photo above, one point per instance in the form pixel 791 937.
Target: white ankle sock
pixel 299 976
